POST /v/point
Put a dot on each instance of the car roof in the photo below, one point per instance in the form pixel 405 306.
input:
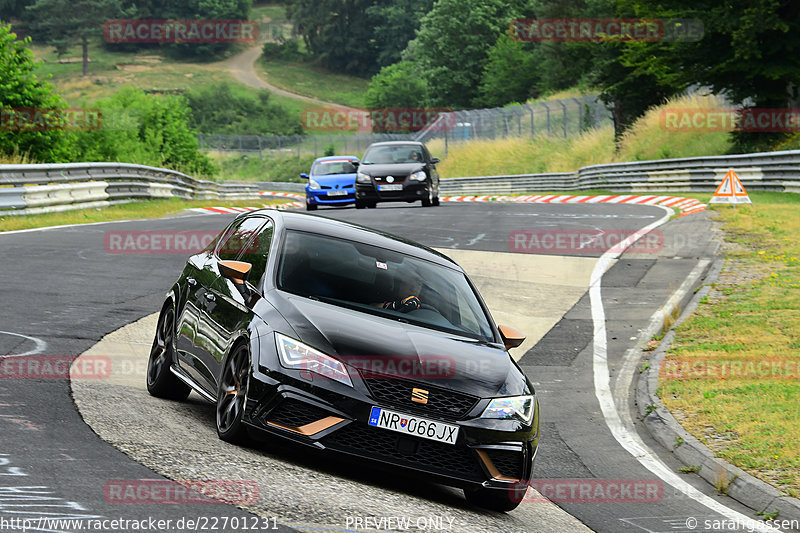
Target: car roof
pixel 354 232
pixel 395 143
pixel 336 158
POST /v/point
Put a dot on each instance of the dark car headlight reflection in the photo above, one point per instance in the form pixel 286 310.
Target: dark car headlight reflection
pixel 512 408
pixel 296 355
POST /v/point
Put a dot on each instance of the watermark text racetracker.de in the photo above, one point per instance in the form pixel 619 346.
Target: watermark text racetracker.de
pixel 606 29
pixel 195 523
pixel 55 367
pixel 392 119
pixel 157 242
pixel 180 31
pixel 21 119
pixel 730 119
pixel 584 241
pixel 591 490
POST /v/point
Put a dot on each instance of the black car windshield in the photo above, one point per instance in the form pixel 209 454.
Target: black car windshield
pixel 388 154
pixel 327 168
pixel 365 278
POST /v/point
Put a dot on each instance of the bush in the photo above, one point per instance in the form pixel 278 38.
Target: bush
pixel 284 51
pixel 222 109
pixel 145 129
pixel 21 89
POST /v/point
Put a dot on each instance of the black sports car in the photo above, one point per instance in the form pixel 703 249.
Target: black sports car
pixel 397 171
pixel 352 340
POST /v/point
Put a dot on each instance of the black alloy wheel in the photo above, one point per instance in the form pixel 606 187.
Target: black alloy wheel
pixel 232 395
pixel 161 382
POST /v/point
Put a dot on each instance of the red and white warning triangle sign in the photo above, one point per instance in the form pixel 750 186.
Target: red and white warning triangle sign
pixel 730 191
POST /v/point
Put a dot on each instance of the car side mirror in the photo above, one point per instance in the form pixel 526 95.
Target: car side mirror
pixel 511 337
pixel 355 163
pixel 434 160
pixel 237 272
pixel 304 176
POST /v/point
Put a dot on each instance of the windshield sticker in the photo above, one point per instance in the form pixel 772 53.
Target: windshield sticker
pixel 381 265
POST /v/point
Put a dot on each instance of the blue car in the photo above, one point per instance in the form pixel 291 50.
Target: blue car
pixel 332 181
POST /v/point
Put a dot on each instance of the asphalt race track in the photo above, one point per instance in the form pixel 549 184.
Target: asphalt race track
pixel 62 291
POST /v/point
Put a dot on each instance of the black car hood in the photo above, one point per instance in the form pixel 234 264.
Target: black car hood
pixel 393 169
pixel 372 343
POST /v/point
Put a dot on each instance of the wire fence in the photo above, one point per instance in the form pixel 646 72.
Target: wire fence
pixel 563 118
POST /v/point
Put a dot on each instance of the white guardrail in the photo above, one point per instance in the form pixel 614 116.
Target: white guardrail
pixel 29 189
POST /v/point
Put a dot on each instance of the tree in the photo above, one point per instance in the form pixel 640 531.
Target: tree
pixel 20 91
pixel 64 23
pixel 453 43
pixel 510 74
pixel 395 25
pixel 398 85
pixel 749 51
pixel 337 32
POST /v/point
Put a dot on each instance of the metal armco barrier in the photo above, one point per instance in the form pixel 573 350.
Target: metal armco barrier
pixel 31 189
pixel 769 171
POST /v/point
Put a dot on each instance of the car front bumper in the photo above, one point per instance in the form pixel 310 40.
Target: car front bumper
pixel 328 415
pixel 320 196
pixel 411 192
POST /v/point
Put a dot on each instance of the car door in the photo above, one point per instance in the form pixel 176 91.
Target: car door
pixel 228 311
pixel 432 172
pixel 209 336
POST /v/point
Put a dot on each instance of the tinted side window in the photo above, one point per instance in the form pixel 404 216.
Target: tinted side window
pixel 233 243
pixel 257 252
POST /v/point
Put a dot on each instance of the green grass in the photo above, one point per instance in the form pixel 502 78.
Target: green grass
pixel 646 140
pixel 130 211
pixel 733 372
pixel 314 81
pixel 247 167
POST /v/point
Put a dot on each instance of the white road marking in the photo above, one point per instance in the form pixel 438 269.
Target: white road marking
pixel 40 344
pixel 624 433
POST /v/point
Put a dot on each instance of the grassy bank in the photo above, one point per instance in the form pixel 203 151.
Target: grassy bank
pixel 647 139
pixel 732 376
pixel 130 211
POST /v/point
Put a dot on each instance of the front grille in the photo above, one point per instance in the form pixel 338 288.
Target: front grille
pixel 397 392
pixel 428 455
pixel 397 179
pixel 508 463
pixel 294 413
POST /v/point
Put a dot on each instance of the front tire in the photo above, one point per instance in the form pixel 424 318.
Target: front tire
pixel 428 201
pixel 161 382
pixel 501 500
pixel 311 207
pixel 360 204
pixel 232 395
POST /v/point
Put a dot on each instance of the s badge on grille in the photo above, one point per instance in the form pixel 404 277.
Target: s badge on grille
pixel 419 396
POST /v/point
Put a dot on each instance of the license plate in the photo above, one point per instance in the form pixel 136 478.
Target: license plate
pixel 413 425
pixel 393 187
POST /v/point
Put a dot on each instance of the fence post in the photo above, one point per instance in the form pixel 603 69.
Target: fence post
pixel 580 114
pixel 564 107
pixel 548 118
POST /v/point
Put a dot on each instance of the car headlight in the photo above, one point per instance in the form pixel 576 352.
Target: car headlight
pixel 312 184
pixel 295 354
pixel 363 178
pixel 418 176
pixel 515 407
